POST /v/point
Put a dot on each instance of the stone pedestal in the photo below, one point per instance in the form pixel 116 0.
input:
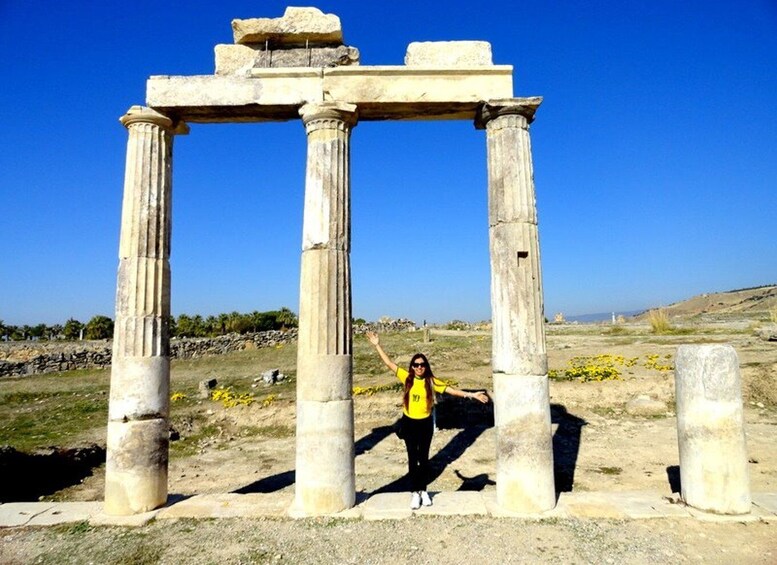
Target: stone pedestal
pixel 136 467
pixel 325 476
pixel 524 474
pixel 710 429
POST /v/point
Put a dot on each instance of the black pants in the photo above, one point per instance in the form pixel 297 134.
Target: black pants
pixel 418 439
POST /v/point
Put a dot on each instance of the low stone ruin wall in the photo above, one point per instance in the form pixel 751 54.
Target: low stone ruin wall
pixel 33 358
pixel 18 358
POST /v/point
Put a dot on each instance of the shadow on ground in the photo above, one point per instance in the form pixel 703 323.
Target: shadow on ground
pixel 28 476
pixel 472 419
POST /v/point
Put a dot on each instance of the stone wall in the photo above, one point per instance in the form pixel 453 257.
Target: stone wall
pixel 19 358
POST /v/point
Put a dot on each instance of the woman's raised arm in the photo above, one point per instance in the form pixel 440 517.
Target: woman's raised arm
pixel 375 340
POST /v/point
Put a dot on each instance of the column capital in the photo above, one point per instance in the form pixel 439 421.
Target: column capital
pixel 143 114
pixel 339 114
pixel 491 109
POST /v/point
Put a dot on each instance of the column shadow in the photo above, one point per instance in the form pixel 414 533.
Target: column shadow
pixel 285 479
pixel 28 476
pixel 472 418
pixel 673 476
pixel 566 446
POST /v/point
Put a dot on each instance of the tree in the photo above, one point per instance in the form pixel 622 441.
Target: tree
pixel 38 331
pixel 99 327
pixel 286 318
pixel 72 329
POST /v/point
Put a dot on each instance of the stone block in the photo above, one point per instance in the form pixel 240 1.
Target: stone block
pixel 524 464
pixel 448 54
pixel 235 59
pixel 274 94
pixel 710 429
pixel 13 514
pixel 67 512
pixel 136 466
pixel 239 60
pixel 458 503
pixel 325 475
pixel 140 388
pixel 229 505
pixel 644 405
pixel 322 378
pixel 298 26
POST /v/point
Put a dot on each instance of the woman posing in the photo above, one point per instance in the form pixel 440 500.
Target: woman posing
pixel 417 425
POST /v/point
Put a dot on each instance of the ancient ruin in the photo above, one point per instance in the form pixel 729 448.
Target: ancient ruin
pixel 297 67
pixel 711 429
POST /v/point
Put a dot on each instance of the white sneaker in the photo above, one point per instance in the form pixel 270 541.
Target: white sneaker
pixel 415 501
pixel 425 500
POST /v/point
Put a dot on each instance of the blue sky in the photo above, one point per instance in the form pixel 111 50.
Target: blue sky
pixel 655 158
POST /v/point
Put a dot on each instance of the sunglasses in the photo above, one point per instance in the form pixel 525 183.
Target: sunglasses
pixel 418 364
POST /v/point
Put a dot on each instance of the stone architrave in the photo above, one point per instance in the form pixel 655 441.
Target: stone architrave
pixel 524 467
pixel 137 444
pixel 710 429
pixel 325 475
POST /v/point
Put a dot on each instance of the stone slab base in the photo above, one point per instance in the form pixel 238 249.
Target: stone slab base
pixel 629 505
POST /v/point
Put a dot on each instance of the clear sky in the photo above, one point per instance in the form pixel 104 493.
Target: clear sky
pixel 655 158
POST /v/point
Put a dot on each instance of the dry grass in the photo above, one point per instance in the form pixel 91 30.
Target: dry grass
pixel 659 321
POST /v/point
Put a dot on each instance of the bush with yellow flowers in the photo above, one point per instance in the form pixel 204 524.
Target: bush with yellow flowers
pixel 604 367
pixel 230 399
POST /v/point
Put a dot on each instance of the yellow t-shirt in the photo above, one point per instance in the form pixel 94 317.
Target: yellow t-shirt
pixel 416 405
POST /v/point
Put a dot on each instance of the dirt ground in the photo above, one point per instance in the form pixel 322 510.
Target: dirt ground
pixel 598 446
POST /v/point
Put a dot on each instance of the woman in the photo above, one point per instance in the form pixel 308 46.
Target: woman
pixel 416 424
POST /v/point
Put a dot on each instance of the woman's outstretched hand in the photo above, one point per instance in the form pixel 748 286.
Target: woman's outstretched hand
pixel 481 396
pixel 373 337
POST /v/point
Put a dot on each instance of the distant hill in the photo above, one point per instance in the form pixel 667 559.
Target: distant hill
pixel 750 302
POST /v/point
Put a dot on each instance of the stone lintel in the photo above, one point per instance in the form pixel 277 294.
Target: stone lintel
pixel 380 92
pixel 298 26
pixel 491 109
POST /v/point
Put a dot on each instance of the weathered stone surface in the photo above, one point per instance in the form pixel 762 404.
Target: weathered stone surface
pixel 325 473
pixel 241 59
pixel 298 26
pixel 644 405
pixel 710 429
pixel 448 54
pixel 140 388
pixel 524 462
pixel 325 451
pixel 136 466
pixel 379 92
pixel 767 332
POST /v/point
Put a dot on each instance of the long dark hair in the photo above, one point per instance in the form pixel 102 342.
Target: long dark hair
pixel 428 376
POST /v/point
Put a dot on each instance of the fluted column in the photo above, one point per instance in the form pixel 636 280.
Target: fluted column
pixel 325 477
pixel 136 466
pixel 524 468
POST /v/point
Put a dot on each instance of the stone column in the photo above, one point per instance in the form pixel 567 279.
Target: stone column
pixel 325 476
pixel 136 466
pixel 710 429
pixel 524 466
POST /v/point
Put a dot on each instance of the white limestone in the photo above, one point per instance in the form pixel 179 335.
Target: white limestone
pixel 524 463
pixel 325 468
pixel 441 80
pixel 136 468
pixel 380 92
pixel 519 359
pixel 325 477
pixel 710 429
pixel 448 54
pixel 298 26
